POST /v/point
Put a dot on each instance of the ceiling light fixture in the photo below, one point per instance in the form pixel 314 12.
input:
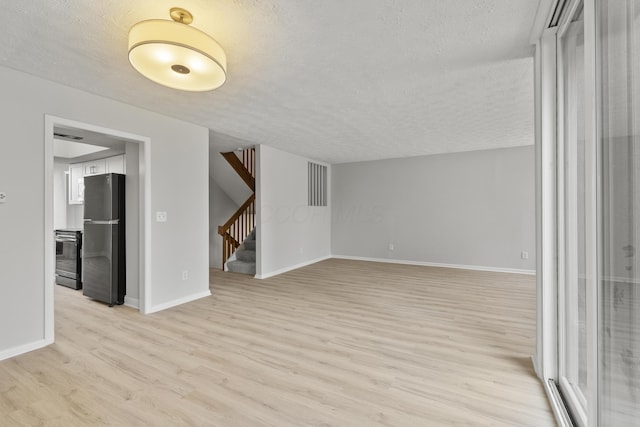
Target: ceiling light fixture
pixel 176 55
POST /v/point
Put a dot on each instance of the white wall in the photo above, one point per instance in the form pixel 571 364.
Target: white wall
pixel 64 214
pixel 60 193
pixel 178 178
pixel 290 233
pixel 75 216
pixel 221 207
pixel 465 209
pixel 228 179
pixel 132 222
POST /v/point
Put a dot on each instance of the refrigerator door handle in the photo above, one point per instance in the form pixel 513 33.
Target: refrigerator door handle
pixel 66 240
pixel 110 222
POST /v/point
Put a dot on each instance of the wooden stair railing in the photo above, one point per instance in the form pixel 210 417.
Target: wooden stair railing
pixel 243 221
pixel 249 160
pixel 238 227
pixel 245 167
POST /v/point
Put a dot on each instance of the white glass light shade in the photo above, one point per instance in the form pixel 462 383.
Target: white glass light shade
pixel 177 55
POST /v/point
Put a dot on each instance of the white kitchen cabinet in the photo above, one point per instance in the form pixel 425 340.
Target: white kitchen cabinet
pixel 95 167
pixel 77 172
pixel 116 164
pixel 76 184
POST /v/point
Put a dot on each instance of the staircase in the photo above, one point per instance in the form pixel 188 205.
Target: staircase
pixel 238 233
pixel 245 256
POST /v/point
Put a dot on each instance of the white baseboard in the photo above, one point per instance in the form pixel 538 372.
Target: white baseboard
pixel 179 301
pixel 131 302
pixel 293 267
pixel 534 362
pixel 16 351
pixel 435 264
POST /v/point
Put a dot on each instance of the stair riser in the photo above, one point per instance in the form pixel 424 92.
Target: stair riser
pixel 242 267
pixel 244 255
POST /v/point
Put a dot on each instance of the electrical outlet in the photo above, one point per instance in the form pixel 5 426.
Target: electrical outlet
pixel 185 275
pixel 524 255
pixel 391 247
pixel 3 197
pixel 161 216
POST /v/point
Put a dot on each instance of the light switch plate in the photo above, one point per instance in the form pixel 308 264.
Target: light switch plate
pixel 161 216
pixel 3 197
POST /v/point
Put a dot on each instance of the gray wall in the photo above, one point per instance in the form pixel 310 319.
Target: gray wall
pixel 177 174
pixel 290 233
pixel 467 209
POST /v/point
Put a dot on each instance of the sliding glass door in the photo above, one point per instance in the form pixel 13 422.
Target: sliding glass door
pixel 572 210
pixel 619 287
pixel 598 223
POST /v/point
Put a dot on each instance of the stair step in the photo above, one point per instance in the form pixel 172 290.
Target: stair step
pixel 246 255
pixel 249 245
pixel 242 267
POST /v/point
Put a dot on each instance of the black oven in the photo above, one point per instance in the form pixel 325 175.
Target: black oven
pixel 68 258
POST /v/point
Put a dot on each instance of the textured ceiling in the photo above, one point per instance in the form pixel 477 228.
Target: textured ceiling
pixel 333 80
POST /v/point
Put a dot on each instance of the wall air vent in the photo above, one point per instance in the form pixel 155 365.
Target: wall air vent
pixel 317 184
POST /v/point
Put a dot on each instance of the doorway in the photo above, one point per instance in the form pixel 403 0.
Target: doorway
pixel 135 149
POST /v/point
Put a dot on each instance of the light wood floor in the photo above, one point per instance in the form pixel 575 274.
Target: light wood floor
pixel 339 343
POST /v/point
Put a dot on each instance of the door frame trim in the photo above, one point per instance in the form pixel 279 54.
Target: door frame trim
pixel 144 230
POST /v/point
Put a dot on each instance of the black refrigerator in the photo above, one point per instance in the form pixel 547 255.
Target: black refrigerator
pixel 103 258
